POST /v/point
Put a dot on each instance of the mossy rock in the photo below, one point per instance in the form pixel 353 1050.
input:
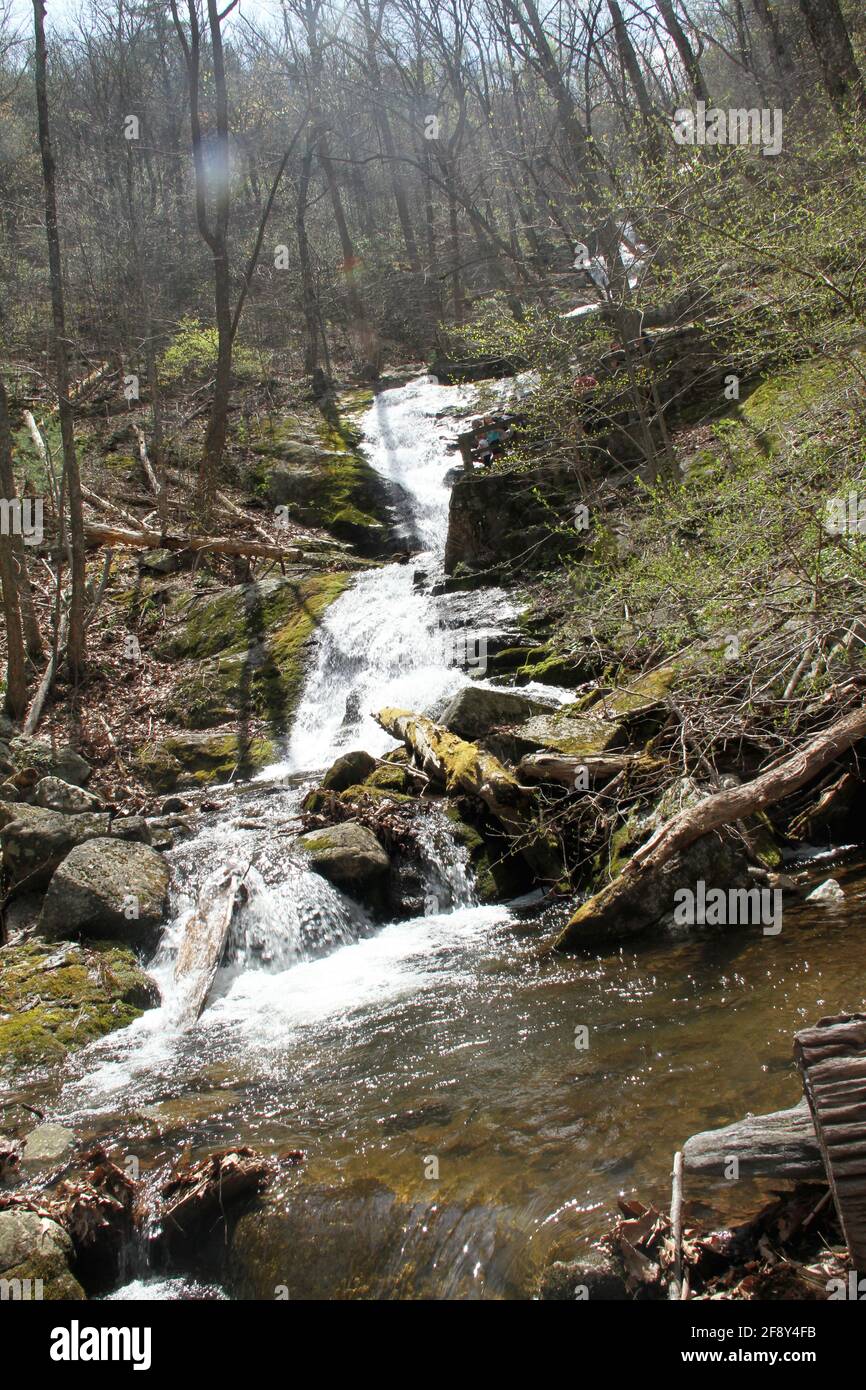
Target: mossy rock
pixel 37 1253
pixel 315 469
pixel 57 998
pixel 186 761
pixel 251 645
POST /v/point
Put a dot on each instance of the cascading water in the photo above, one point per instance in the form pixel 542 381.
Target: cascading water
pixel 455 1138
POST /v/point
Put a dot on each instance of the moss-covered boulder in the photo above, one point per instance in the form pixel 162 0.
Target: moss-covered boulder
pixel 108 888
pixel 348 854
pixel 600 721
pixel 186 761
pixel 57 998
pixel 35 1257
pixel 248 646
pixel 316 470
pixel 348 770
pixel 34 755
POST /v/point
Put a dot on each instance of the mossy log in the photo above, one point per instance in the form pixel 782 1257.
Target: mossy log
pixel 454 763
pixel 620 909
pixel 145 539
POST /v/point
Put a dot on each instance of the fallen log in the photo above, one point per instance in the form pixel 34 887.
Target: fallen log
pixel 34 714
pixel 454 763
pixel 156 540
pixel 621 910
pixel 204 942
pixel 781 1144
pixel 146 464
pixel 566 769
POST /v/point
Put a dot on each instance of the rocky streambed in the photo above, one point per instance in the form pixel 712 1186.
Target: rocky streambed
pixel 463 1104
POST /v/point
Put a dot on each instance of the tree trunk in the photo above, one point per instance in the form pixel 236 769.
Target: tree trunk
pixel 832 43
pixel 75 646
pixel 631 67
pixel 688 57
pixel 308 290
pixel 16 667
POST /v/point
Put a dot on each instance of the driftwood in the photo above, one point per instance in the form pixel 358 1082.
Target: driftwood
pixel 454 763
pixel 146 539
pixel 620 908
pixel 146 464
pixel 832 1059
pixel 34 714
pixel 204 941
pixel 782 1144
pixel 565 768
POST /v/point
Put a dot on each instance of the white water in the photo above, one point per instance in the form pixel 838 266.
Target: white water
pixel 304 952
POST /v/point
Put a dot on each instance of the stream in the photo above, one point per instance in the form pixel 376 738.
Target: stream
pixel 456 1139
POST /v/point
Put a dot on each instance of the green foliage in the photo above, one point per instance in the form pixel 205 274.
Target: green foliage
pixel 192 353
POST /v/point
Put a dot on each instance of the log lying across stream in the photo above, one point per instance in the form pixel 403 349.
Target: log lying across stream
pixel 204 942
pixel 458 765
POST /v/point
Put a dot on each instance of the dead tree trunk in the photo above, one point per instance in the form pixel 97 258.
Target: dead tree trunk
pixel 16 665
pixel 75 645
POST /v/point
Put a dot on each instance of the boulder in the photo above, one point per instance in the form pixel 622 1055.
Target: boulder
pixel 189 760
pixel 61 762
pixel 35 1255
pixel 54 794
pixel 475 710
pixel 592 1279
pixel 107 888
pixel 349 770
pixel 35 840
pixel 347 854
pixel 56 998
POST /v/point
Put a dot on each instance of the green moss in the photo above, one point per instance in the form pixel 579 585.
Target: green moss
pixel 251 647
pixel 365 792
pixel 391 778
pixel 197 760
pixel 54 999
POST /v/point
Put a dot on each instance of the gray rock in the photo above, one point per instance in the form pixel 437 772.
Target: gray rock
pixel 48 1144
pixel 474 710
pixel 107 888
pixel 131 828
pixel 35 840
pixel 346 854
pixel 54 794
pixel 50 762
pixel 349 771
pixel 34 1258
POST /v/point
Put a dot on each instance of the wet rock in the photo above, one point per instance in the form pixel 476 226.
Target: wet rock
pixel 347 854
pixel 35 840
pixel 107 888
pixel 827 892
pixel 35 1255
pixel 57 998
pixel 173 805
pixel 47 1145
pixel 54 794
pixel 591 1279
pixel 475 710
pixel 348 770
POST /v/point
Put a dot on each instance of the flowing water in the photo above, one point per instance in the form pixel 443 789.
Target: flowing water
pixel 456 1138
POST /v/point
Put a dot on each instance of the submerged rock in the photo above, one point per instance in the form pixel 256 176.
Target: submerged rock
pixel 47 1145
pixel 107 888
pixel 347 854
pixel 590 1279
pixel 35 1253
pixel 57 998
